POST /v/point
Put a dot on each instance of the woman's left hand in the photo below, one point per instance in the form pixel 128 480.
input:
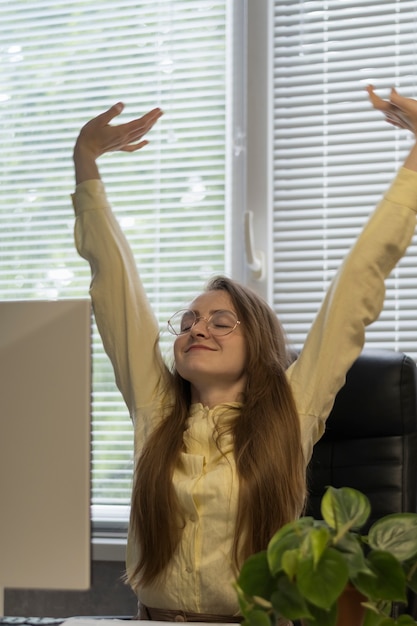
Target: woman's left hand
pixel 398 110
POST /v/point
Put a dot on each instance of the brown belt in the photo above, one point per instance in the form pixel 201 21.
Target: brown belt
pixel 166 615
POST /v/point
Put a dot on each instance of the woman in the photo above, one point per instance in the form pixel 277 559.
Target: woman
pixel 223 440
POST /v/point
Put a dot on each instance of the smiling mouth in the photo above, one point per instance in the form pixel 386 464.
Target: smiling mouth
pixel 199 347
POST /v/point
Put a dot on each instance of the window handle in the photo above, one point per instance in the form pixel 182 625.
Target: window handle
pixel 254 258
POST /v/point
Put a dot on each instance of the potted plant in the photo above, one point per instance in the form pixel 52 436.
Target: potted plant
pixel 312 567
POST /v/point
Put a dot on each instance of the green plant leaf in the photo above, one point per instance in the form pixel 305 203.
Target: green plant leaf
pixel 351 547
pixel 405 620
pixel 396 533
pixel 308 564
pixel 345 508
pixel 411 575
pixel 255 578
pixel 256 618
pixel 319 539
pixel 290 563
pixel 387 581
pixel 289 537
pixel 379 607
pixel 322 583
pixel 288 602
pixel 373 618
pixel 322 617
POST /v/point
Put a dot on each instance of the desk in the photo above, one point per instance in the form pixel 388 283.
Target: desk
pixel 87 621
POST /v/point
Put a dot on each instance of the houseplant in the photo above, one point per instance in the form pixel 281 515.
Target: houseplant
pixel 310 564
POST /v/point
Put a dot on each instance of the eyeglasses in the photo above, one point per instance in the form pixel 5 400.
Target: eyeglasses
pixel 219 324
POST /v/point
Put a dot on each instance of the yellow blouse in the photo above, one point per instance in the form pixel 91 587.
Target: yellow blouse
pixel 200 576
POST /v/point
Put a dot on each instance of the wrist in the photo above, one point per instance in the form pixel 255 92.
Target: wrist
pixel 83 152
pixel 84 163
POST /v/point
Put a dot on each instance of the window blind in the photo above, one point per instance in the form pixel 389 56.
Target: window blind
pixel 63 63
pixel 333 156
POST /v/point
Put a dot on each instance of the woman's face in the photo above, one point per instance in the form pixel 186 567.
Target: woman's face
pixel 212 364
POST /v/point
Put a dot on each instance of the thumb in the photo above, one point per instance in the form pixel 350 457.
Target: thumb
pixel 394 95
pixel 111 113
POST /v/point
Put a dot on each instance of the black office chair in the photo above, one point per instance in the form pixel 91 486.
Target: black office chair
pixel 370 442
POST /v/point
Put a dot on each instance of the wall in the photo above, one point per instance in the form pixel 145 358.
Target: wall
pixel 108 596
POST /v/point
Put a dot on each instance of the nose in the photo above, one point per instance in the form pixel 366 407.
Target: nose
pixel 200 328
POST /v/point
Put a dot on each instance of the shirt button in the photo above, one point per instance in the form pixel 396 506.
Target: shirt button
pixel 192 518
pixel 179 618
pixel 189 570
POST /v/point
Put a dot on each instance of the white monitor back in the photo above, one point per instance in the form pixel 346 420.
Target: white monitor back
pixel 45 383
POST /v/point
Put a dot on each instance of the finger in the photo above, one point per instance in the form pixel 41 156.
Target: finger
pixel 134 146
pixel 111 113
pixel 405 110
pixel 408 105
pixel 397 99
pixel 377 102
pixel 136 129
pixel 144 123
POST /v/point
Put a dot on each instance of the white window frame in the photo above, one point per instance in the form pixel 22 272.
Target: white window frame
pixel 259 141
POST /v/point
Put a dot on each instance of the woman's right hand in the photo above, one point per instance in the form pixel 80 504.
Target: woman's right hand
pixel 98 136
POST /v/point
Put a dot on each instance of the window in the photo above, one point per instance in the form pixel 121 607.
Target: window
pixel 318 158
pixel 63 63
pixel 332 155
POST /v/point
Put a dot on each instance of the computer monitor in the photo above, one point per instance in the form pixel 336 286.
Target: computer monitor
pixel 45 382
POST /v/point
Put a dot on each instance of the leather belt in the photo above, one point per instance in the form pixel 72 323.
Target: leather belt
pixel 166 615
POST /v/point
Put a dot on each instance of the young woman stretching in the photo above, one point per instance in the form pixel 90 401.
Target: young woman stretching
pixel 223 440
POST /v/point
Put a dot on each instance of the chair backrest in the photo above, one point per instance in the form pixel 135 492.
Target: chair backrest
pixel 370 441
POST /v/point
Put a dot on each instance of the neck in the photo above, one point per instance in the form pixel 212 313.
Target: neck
pixel 211 397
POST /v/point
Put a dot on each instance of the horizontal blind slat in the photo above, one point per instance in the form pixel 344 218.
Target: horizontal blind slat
pixel 332 155
pixel 63 64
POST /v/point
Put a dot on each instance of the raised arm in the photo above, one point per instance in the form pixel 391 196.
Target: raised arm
pixel 127 325
pixel 356 294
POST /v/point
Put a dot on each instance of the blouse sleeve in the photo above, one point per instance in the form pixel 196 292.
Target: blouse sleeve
pixel 126 323
pixel 354 300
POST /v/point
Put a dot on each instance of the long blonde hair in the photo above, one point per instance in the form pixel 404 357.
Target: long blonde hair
pixel 267 448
